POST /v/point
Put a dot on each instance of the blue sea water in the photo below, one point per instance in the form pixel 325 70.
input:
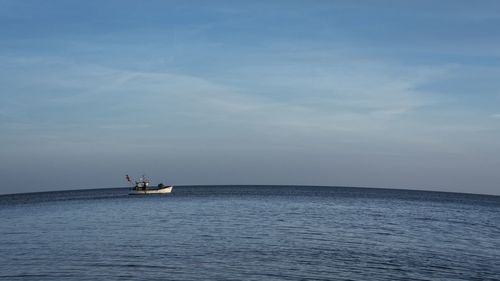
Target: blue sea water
pixel 250 233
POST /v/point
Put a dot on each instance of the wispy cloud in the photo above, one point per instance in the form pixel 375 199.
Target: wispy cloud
pixel 285 100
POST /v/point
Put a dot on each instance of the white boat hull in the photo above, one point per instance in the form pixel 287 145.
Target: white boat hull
pixel 163 190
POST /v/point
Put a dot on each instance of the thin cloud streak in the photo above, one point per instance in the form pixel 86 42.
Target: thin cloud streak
pixel 352 99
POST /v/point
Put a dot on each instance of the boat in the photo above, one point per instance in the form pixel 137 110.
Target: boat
pixel 142 187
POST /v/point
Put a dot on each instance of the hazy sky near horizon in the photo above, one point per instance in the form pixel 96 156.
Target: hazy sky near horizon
pixel 400 94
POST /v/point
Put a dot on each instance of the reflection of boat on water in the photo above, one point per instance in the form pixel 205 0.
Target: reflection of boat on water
pixel 142 187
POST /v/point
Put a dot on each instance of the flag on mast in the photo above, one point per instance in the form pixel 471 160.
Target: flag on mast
pixel 127 177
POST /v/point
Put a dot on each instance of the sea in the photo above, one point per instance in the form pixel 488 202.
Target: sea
pixel 250 233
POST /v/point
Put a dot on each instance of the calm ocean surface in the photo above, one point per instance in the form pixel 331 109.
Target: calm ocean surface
pixel 250 233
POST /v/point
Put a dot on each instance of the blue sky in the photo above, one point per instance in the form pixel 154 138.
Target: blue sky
pixel 401 94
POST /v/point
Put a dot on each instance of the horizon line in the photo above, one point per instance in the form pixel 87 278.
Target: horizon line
pixel 263 185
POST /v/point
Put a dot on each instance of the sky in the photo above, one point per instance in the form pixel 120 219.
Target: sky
pixel 392 94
